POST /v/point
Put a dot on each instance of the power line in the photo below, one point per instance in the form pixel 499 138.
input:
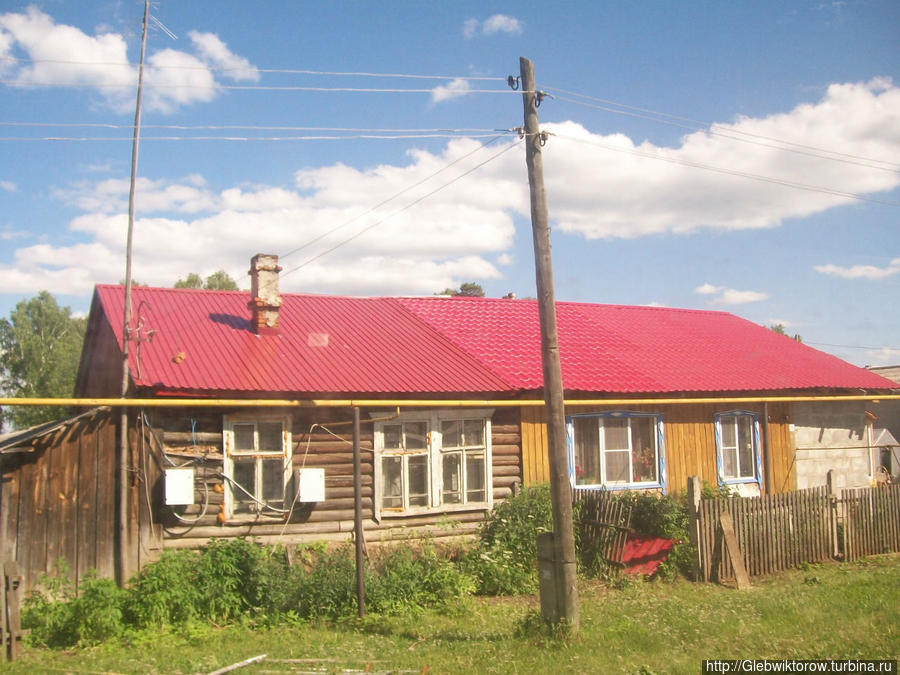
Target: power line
pixel 828 344
pixel 402 209
pixel 103 125
pixel 732 172
pixel 382 137
pixel 742 136
pixel 254 87
pixel 281 71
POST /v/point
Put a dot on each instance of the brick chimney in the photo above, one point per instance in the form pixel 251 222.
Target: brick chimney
pixel 265 300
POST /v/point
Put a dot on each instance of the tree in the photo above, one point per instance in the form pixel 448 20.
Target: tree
pixel 779 328
pixel 40 346
pixel 217 281
pixel 469 290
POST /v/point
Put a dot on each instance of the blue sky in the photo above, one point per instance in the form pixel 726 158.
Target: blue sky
pixel 742 157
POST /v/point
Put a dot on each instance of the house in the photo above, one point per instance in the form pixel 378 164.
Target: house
pixel 245 402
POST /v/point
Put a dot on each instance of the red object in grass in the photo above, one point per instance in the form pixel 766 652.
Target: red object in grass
pixel 644 555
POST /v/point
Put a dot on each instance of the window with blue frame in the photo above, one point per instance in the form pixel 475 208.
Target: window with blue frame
pixel 737 447
pixel 616 450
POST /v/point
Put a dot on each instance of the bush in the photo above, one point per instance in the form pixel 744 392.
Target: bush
pixel 59 619
pixel 505 560
pixel 165 592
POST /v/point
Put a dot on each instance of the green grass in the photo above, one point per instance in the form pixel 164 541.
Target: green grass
pixel 824 611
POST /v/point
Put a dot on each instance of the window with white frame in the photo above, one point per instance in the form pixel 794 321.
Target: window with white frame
pixel 433 460
pixel 257 464
pixel 737 441
pixel 616 450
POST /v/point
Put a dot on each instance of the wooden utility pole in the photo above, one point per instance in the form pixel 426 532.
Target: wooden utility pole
pixel 123 562
pixel 560 491
pixel 357 517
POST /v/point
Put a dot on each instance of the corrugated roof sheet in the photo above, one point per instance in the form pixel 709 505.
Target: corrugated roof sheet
pixel 202 341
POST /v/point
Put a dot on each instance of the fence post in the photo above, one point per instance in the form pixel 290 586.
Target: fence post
pixel 11 588
pixel 693 490
pixel 833 503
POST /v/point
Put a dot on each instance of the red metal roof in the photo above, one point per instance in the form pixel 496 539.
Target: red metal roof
pixel 202 341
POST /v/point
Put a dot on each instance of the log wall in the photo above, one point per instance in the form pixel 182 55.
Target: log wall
pixel 321 439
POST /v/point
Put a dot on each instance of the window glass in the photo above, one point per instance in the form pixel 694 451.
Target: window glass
pixel 451 433
pixel 738 449
pixel 616 466
pixel 475 467
pixel 745 447
pixel 416 435
pixel 451 477
pixel 393 436
pixel 473 432
pixel 392 482
pixel 587 451
pixel 273 479
pixel 243 437
pixel 270 437
pixel 245 477
pixel 643 450
pixel 427 460
pixel 418 480
pixel 615 434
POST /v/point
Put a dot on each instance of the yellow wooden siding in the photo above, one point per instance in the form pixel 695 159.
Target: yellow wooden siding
pixel 535 458
pixel 690 442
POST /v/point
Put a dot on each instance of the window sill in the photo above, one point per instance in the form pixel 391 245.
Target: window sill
pixel 618 486
pixel 435 510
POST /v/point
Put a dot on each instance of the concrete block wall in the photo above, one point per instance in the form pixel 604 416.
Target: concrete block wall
pixel 831 436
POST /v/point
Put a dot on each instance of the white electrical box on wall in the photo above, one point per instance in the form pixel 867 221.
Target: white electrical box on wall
pixel 179 486
pixel 310 484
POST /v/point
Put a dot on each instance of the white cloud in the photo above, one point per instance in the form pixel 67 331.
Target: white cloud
pixel 860 271
pixel 729 296
pixel 602 188
pixel 498 23
pixel 465 231
pixel 217 54
pixel 470 28
pixel 501 23
pixel 8 186
pixel 62 55
pixel 454 89
pixel 461 233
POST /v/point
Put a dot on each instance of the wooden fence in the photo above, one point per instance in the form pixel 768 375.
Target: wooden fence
pixel 871 518
pixel 778 532
pixel 604 526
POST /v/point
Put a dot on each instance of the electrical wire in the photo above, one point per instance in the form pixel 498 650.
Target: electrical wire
pixel 253 127
pixel 390 199
pixel 401 210
pixel 378 137
pixel 733 134
pixel 730 172
pixel 283 71
pixel 256 87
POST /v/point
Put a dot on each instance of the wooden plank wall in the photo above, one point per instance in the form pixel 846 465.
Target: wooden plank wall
pixel 690 440
pixel 535 457
pixel 329 446
pixel 58 502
